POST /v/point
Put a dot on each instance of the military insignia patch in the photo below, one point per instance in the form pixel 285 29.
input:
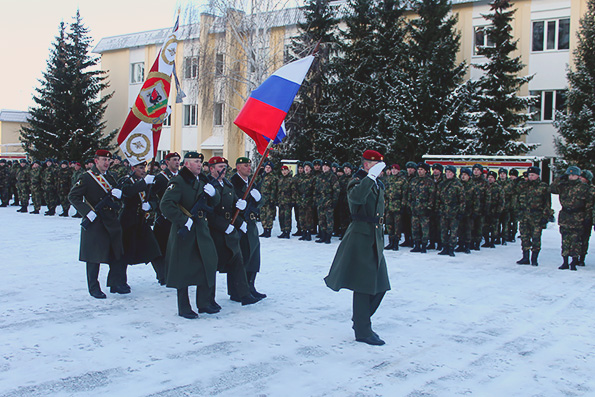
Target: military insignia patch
pixel 170 187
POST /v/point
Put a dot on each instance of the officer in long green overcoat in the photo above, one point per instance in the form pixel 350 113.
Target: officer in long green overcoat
pixel 101 241
pixel 359 263
pixel 191 255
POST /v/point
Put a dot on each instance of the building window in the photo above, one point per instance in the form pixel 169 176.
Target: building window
pixel 551 35
pixel 191 67
pixel 219 64
pixel 189 115
pixel 547 104
pixel 137 72
pixel 218 114
pixel 167 121
pixel 481 39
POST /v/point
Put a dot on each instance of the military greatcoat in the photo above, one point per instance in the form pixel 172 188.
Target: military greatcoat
pixel 191 260
pixel 102 241
pixel 359 263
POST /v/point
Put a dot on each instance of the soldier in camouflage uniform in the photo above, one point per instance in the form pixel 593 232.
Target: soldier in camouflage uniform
pixel 513 225
pixel 48 184
pixel 304 198
pixel 406 217
pixel 118 168
pixel 450 205
pixel 535 203
pixel 395 201
pixel 13 189
pixel 22 178
pixel 268 189
pixel 577 211
pixel 4 182
pixel 64 184
pixel 35 186
pixel 300 171
pixel 480 184
pixel 504 221
pixel 421 197
pixel 586 178
pixel 493 207
pixel 326 196
pixel 472 205
pixel 435 242
pixel 285 199
pixel 344 215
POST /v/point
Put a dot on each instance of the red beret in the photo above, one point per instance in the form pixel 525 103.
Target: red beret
pixel 173 154
pixel 373 155
pixel 285 167
pixel 217 160
pixel 396 167
pixel 103 153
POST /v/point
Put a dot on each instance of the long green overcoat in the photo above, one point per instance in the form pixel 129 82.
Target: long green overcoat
pixel 359 263
pixel 191 260
pixel 102 241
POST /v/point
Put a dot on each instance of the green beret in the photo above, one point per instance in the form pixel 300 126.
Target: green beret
pixel 243 160
pixel 194 155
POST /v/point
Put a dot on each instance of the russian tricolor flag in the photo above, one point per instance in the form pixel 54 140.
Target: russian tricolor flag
pixel 264 112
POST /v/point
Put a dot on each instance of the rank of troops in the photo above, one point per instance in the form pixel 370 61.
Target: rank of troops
pixel 433 207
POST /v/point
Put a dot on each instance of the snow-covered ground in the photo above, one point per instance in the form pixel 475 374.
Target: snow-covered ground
pixel 475 324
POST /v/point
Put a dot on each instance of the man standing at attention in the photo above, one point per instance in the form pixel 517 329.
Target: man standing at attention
pixel 359 263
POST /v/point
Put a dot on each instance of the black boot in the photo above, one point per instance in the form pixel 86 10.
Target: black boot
pixel 307 236
pixel 416 247
pixel 266 233
pixel 534 255
pixel 573 263
pixel 327 239
pixel 92 282
pixel 581 260
pixel 184 308
pixel 487 242
pixel 451 251
pixel 322 238
pixel 466 247
pixel 251 276
pixel 564 263
pixel 475 246
pixel 408 242
pixel 391 243
pixel 422 248
pixel 50 212
pixel 396 246
pixel 284 235
pixel 431 245
pixel 461 247
pixel 525 259
pixel 445 251
pixel 439 246
pixel 298 233
pixel 34 212
pixel 249 300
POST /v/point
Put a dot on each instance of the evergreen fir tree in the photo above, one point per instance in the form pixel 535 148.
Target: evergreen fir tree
pixel 66 121
pixel 501 114
pixel 354 116
pixel 302 120
pixel 577 128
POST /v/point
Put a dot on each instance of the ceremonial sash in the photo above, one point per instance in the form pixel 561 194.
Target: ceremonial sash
pixel 101 181
pixel 165 175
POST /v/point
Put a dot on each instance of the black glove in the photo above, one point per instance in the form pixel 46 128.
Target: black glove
pixel 183 232
pixel 543 223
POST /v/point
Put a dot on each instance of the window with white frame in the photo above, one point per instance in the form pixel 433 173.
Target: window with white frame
pixel 551 35
pixel 481 38
pixel 218 114
pixel 189 115
pixel 219 64
pixel 137 72
pixel 547 104
pixel 167 121
pixel 191 67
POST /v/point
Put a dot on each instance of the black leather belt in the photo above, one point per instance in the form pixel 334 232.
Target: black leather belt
pixel 369 219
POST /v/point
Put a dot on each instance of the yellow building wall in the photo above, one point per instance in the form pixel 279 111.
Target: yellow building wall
pixel 10 134
pixel 117 65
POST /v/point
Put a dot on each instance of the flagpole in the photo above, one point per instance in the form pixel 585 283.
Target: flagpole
pixel 266 152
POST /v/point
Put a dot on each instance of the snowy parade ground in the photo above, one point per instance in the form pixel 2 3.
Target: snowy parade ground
pixel 475 324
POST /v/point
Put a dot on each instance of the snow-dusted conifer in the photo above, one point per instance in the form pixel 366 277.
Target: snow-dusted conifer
pixel 66 121
pixel 577 128
pixel 500 114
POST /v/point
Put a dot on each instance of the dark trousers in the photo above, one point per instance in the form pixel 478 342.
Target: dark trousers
pixel 364 307
pixel 203 298
pixel 114 277
pixel 237 281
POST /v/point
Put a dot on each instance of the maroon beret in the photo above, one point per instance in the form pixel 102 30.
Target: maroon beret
pixel 217 160
pixel 103 153
pixel 172 154
pixel 396 167
pixel 373 155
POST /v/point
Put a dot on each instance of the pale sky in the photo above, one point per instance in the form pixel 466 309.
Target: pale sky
pixel 28 28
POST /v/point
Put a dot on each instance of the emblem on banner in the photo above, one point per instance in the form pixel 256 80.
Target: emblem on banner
pixel 151 104
pixel 137 145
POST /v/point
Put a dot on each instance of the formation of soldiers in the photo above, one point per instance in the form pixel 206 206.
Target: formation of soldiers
pixel 437 207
